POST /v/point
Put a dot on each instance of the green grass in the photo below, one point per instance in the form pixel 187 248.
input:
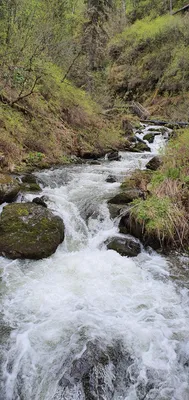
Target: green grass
pixel 165 211
pixel 152 59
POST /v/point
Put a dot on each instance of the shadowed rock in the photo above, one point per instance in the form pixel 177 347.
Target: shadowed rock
pixel 154 163
pixel 9 188
pixel 124 246
pixel 114 156
pixel 126 196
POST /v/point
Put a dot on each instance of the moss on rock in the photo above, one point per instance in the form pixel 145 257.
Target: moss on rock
pixel 30 187
pixel 28 230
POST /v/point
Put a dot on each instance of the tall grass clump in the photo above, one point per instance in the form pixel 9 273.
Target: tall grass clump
pixel 165 212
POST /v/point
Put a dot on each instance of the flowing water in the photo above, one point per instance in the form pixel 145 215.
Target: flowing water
pixel 87 323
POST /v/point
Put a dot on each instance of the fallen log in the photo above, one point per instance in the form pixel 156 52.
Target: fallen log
pixel 157 122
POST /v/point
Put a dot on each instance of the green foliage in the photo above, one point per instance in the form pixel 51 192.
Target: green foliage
pixel 160 217
pixel 151 54
pixel 165 211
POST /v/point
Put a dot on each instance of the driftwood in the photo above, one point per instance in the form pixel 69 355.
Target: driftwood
pixel 139 110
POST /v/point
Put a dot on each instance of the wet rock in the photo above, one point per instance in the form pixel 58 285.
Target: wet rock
pixel 9 188
pixel 129 225
pixel 116 210
pixel 124 246
pixel 93 155
pixel 126 196
pixel 30 187
pixel 40 201
pixel 111 179
pixel 28 230
pixel 90 370
pixel 154 163
pixel 140 147
pixel 149 137
pixel 94 162
pixel 132 139
pixel 29 178
pixel 114 156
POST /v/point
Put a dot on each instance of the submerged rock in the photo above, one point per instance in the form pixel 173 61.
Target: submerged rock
pixel 28 230
pixel 125 246
pixel 9 188
pixel 154 163
pixel 89 370
pixel 111 179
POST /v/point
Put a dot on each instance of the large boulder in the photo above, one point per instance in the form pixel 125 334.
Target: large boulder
pixel 9 188
pixel 28 230
pixel 126 196
pixel 154 163
pixel 125 246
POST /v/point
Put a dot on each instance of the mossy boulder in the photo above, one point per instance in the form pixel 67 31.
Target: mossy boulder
pixel 140 147
pixel 28 230
pixel 125 246
pixel 149 137
pixel 29 178
pixel 126 196
pixel 9 188
pixel 30 187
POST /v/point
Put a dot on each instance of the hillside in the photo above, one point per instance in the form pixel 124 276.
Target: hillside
pixel 63 66
pixel 150 63
pixel 58 120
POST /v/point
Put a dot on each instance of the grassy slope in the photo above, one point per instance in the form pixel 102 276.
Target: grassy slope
pixel 165 211
pixel 150 63
pixel 59 120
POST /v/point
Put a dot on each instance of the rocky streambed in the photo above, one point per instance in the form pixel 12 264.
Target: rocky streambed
pixel 87 322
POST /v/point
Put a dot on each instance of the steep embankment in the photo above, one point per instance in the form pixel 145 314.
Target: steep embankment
pixel 160 216
pixel 150 64
pixel 54 122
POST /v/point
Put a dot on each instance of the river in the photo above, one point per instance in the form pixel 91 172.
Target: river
pixel 86 323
